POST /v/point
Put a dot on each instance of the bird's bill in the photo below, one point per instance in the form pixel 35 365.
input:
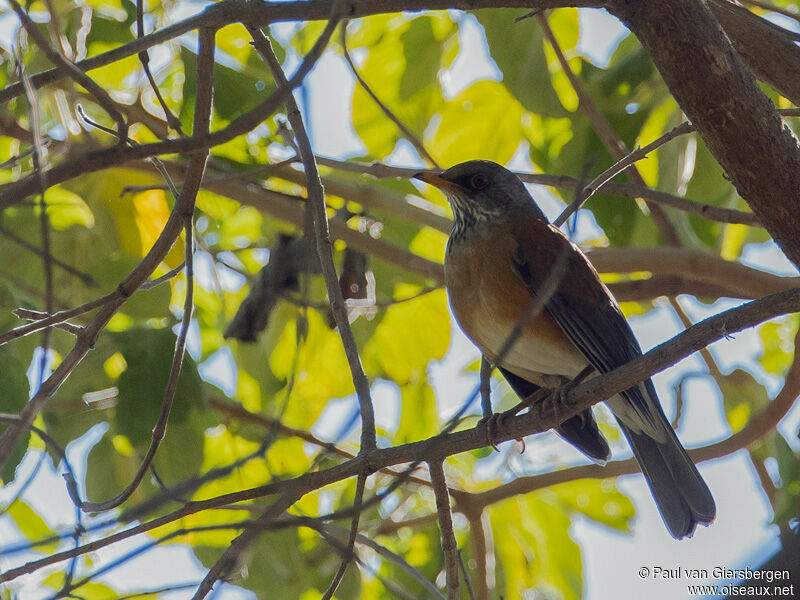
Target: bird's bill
pixel 434 179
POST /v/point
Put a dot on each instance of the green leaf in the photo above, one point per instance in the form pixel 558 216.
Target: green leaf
pixel 316 363
pixel 777 338
pixel 419 418
pixel 600 500
pixel 743 396
pixel 65 209
pixel 410 90
pixel 409 336
pixel 484 121
pixel 148 353
pixel 518 52
pixel 235 92
pixel 423 57
pixel 534 548
pixel 12 401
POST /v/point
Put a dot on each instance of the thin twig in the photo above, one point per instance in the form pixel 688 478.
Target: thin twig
pixel 598 182
pixel 605 131
pixel 35 315
pixel 205 75
pixel 144 59
pixel 407 133
pixel 44 219
pixel 449 546
pixel 347 552
pixel 58 59
pixel 466 576
pixel 316 198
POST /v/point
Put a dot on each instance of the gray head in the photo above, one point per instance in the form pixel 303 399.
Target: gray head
pixel 481 190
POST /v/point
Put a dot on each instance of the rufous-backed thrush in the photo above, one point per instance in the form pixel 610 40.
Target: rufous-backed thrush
pixel 502 256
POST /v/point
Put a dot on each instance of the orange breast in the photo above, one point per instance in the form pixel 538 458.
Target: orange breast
pixel 489 299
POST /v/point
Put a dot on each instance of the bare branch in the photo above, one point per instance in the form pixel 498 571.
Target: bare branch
pixel 449 545
pixel 316 198
pixel 74 72
pixel 409 135
pixel 347 552
pixel 608 136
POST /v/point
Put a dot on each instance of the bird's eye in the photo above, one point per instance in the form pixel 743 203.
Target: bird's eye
pixel 479 181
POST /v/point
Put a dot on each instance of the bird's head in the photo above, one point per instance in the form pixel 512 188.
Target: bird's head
pixel 481 190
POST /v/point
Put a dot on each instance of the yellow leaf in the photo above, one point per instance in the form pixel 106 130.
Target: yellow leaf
pixel 151 212
pixel 483 121
pixel 409 336
pixel 65 209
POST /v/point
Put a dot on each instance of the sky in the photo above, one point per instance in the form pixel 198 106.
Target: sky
pixel 740 537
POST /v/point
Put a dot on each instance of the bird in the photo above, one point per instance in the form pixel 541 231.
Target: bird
pixel 503 257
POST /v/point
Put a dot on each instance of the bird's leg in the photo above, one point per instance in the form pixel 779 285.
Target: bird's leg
pixel 495 420
pixel 560 393
pixel 486 387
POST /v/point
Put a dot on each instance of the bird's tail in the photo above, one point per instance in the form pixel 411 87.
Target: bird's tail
pixel 683 498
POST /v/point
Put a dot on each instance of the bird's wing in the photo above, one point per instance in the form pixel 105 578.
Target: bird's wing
pixel 561 276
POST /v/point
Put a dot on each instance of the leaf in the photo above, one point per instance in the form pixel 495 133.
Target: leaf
pixel 32 526
pixel 65 209
pixel 148 353
pixel 235 92
pixel 111 76
pixel 422 51
pixel 151 213
pixel 742 396
pixel 407 88
pixel 534 549
pixel 12 401
pixel 419 417
pixel 777 338
pixel 484 121
pixel 518 52
pixel 409 336
pixel 317 364
pixel 601 501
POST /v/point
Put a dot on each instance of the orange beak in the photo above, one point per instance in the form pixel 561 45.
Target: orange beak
pixel 434 179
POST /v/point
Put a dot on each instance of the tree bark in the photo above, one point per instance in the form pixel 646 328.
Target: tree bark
pixel 719 94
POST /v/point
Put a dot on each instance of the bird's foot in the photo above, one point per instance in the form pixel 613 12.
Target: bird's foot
pixel 492 423
pixel 496 421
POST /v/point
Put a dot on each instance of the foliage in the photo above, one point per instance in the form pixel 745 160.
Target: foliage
pixel 103 223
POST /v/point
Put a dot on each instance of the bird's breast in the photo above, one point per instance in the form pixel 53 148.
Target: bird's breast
pixel 488 300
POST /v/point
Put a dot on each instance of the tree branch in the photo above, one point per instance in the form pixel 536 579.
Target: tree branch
pixel 449 545
pixel 721 98
pixel 542 417
pixel 316 198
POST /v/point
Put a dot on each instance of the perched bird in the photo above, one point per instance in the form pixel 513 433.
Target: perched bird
pixel 503 256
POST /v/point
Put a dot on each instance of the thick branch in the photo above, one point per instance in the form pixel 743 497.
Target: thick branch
pixel 260 14
pixel 720 96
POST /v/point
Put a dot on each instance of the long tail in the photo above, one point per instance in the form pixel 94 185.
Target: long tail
pixel 683 498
